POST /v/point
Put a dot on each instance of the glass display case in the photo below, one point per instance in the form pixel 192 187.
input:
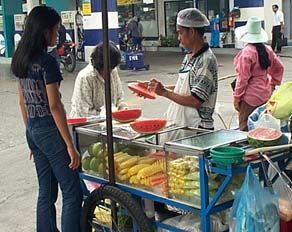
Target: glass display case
pixel 139 159
pixel 183 168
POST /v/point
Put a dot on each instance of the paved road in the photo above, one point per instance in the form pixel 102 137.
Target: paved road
pixel 18 183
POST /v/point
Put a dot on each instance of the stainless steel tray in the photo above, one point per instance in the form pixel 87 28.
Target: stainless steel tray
pixel 204 142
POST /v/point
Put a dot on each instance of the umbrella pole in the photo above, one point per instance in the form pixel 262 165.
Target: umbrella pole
pixel 108 105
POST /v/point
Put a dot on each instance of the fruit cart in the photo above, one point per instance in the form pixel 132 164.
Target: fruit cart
pixel 178 169
pixel 111 151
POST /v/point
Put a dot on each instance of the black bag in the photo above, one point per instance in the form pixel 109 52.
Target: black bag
pixel 233 84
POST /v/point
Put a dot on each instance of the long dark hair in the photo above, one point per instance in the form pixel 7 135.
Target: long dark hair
pixel 263 55
pixel 33 42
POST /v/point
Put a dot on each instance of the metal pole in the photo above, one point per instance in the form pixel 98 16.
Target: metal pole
pixel 108 106
pixel 108 101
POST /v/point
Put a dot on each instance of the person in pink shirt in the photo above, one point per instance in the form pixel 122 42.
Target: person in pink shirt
pixel 258 70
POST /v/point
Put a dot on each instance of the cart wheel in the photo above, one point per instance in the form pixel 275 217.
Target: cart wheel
pixel 147 67
pixel 96 212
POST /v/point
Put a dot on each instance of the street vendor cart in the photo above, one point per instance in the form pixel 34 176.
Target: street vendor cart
pixel 172 167
pixel 178 172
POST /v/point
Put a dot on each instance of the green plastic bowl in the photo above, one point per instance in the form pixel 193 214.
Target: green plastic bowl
pixel 227 155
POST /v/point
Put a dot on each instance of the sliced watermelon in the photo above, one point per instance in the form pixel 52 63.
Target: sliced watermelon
pixel 79 120
pixel 263 137
pixel 126 115
pixel 139 89
pixel 148 126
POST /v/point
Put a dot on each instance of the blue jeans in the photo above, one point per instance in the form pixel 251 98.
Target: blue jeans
pixel 51 160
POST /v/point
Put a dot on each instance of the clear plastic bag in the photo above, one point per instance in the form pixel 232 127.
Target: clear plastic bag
pixel 268 121
pixel 285 195
pixel 254 208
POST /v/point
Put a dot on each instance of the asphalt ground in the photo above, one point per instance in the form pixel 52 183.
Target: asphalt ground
pixel 18 182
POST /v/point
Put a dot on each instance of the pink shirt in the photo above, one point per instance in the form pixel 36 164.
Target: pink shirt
pixel 254 85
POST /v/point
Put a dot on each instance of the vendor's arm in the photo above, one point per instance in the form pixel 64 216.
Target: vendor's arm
pixel 276 70
pixel 121 104
pixel 243 65
pixel 82 99
pixel 185 100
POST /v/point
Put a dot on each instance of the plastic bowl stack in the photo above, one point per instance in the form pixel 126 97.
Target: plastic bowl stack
pixel 227 155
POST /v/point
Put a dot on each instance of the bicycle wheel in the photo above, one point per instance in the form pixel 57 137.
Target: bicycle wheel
pixel 96 212
pixel 70 62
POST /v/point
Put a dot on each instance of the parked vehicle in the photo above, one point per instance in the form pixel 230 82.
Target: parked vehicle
pixel 67 56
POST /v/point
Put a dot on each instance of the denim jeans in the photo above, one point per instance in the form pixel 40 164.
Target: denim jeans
pixel 51 160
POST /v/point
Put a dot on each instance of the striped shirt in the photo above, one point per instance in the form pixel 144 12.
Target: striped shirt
pixel 203 82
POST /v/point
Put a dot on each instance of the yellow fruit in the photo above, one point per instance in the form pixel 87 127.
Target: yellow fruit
pixel 134 170
pixel 124 171
pixel 146 160
pixel 133 180
pixel 129 163
pixel 148 171
pixel 123 158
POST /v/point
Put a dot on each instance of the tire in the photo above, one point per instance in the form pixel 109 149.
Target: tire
pixel 122 199
pixel 70 62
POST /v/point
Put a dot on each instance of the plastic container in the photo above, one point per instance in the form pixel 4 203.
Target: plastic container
pixel 227 155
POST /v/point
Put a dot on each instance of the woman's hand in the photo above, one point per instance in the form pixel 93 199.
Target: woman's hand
pixel 74 156
pixel 30 155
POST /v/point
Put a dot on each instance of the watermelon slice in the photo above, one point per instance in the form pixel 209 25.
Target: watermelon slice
pixel 263 137
pixel 126 115
pixel 140 89
pixel 148 126
pixel 79 120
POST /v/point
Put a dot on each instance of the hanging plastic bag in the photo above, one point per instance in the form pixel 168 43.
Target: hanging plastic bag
pixel 254 208
pixel 283 190
pixel 268 121
pixel 279 105
pixel 285 200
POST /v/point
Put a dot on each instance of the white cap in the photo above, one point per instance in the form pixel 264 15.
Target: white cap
pixel 192 17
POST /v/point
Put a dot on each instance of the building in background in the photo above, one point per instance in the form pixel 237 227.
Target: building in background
pixel 158 18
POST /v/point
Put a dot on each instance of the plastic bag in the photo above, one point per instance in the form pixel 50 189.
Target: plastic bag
pixel 254 117
pixel 192 223
pixel 284 193
pixel 280 102
pixel 268 121
pixel 254 208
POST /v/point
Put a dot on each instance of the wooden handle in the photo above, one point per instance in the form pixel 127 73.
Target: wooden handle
pixel 226 77
pixel 264 149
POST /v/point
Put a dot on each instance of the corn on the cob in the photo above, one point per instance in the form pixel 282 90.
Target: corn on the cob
pixel 134 170
pixel 129 163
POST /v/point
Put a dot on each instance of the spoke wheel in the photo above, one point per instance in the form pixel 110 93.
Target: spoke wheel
pixel 97 214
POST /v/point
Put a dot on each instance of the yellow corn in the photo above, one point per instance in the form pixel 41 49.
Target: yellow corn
pixel 123 158
pixel 134 170
pixel 124 171
pixel 146 160
pixel 148 171
pixel 133 179
pixel 129 163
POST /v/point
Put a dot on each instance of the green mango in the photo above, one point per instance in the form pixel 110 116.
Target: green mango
pixel 94 163
pixel 90 150
pixel 100 168
pixel 97 149
pixel 86 163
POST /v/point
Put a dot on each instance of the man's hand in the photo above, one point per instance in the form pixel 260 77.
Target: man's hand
pixel 236 105
pixel 74 156
pixel 157 87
